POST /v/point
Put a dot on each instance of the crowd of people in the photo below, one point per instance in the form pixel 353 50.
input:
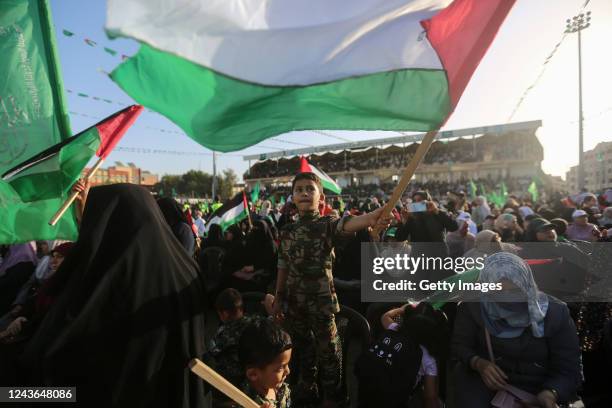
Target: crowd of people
pixel 485 148
pixel 149 285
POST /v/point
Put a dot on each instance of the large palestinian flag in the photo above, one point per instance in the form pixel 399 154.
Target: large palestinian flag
pixel 232 73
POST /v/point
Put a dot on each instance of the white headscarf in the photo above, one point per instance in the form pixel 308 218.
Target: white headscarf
pixel 479 213
pixel 503 265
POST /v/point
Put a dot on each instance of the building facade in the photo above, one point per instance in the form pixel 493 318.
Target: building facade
pixel 597 169
pixel 121 173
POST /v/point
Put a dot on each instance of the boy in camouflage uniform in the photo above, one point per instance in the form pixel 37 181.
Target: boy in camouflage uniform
pixel 305 283
pixel 223 349
pixel 265 353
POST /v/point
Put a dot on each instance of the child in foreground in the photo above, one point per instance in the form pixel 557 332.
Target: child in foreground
pixel 265 352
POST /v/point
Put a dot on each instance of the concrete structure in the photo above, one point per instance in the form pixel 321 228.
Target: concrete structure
pixel 120 173
pixel 597 169
pixel 502 151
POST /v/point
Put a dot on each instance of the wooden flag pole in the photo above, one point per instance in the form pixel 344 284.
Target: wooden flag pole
pixel 213 378
pixel 408 173
pixel 248 210
pixel 74 194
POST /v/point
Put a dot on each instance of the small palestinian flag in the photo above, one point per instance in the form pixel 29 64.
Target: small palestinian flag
pixel 328 182
pixel 110 51
pixel 56 169
pixel 231 212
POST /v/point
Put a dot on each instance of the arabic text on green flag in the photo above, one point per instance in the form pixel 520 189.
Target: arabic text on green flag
pixel 33 116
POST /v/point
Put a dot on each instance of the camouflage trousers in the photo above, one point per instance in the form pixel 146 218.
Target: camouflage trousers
pixel 309 320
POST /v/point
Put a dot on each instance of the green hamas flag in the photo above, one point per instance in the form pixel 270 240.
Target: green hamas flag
pixel 33 116
pixel 472 188
pixel 504 191
pixel 482 190
pixel 255 193
pixel 533 190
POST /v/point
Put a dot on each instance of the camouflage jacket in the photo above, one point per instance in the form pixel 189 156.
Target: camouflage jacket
pixel 307 253
pixel 223 349
pixel 283 396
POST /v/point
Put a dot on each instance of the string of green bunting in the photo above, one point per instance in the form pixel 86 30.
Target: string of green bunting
pixel 94 44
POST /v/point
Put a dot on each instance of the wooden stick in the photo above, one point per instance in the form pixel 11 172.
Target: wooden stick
pixel 74 194
pixel 213 378
pixel 408 173
pixel 248 210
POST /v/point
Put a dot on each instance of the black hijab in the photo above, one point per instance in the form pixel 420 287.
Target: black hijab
pixel 171 210
pixel 260 246
pixel 214 237
pixel 176 218
pixel 131 315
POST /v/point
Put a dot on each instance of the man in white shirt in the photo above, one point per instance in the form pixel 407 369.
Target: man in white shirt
pixel 199 223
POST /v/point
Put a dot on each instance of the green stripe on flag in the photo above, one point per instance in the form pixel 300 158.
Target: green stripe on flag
pixel 58 173
pixel 227 114
pixel 67 33
pixel 226 224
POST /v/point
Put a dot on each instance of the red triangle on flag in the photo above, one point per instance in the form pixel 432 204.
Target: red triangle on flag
pixel 112 129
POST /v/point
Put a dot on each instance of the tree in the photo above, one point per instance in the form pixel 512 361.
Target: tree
pixel 196 183
pixel 166 184
pixel 226 183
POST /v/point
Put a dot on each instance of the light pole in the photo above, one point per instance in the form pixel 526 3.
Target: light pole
pixel 575 25
pixel 214 177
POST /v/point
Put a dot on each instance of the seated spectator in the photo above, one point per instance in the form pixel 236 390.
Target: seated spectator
pixel 560 226
pixel 533 340
pixel 567 275
pixel 462 240
pixel 507 227
pixel 489 223
pixel 17 267
pixel 606 218
pixel 43 251
pixel 265 352
pixel 581 229
pixel 589 205
pixel 260 259
pixel 33 301
pixel 481 210
pixel 485 243
pixel 214 237
pixel 222 354
pixel 403 360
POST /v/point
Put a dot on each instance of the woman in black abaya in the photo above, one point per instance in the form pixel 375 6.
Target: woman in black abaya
pixel 180 226
pixel 132 312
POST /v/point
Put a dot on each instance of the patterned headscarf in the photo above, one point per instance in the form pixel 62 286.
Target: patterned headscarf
pixel 509 319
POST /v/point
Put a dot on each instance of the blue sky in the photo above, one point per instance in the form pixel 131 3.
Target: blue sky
pixel 512 64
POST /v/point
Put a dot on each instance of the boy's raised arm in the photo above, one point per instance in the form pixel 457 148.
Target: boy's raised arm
pixel 364 221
